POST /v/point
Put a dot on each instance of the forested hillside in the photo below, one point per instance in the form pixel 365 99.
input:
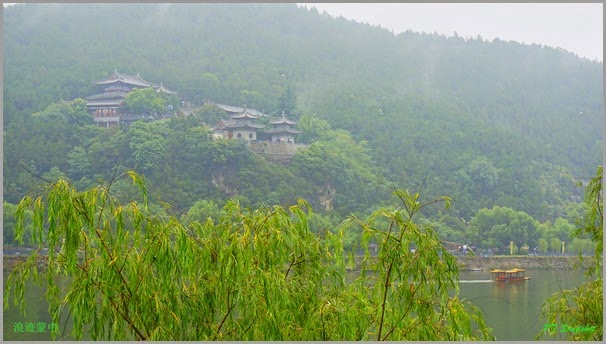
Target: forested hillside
pixel 502 128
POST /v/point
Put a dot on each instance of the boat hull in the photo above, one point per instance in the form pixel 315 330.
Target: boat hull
pixel 505 280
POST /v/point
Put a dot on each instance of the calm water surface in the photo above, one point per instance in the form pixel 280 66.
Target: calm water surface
pixel 513 310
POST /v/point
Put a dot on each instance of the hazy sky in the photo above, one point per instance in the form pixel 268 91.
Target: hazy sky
pixel 576 27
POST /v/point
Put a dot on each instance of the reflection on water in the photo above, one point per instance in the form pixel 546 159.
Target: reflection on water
pixel 17 326
pixel 512 309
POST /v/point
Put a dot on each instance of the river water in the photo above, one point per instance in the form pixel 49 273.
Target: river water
pixel 513 310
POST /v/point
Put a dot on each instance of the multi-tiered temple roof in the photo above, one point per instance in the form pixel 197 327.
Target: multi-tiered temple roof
pixel 242 125
pixel 119 81
pixel 283 130
pixel 106 106
pixel 235 110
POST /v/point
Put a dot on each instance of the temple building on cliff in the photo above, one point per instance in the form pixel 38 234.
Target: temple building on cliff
pixel 107 105
pixel 246 124
pixel 283 130
pixel 242 125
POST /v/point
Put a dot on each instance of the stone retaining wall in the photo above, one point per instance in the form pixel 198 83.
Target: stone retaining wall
pixel 524 262
pixel 276 151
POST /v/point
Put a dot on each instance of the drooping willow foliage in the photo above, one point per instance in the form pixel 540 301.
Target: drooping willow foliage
pixel 578 313
pixel 252 274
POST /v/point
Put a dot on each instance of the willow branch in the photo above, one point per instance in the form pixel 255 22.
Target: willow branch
pixel 384 300
pixel 405 312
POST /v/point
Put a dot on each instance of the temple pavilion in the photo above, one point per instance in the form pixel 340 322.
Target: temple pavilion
pixel 106 106
pixel 283 130
pixel 243 125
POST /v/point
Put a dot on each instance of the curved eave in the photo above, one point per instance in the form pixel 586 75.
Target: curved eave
pixel 283 131
pixel 104 103
pixel 229 108
pixel 127 79
pixel 108 95
pixel 283 121
pixel 246 125
pixel 245 115
pixel 240 110
pixel 165 90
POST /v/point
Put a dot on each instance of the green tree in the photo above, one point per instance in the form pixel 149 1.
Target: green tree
pixel 145 101
pixel 209 114
pixel 562 229
pixel 201 211
pixel 9 222
pixel 581 246
pixel 287 103
pixel 342 172
pixel 254 275
pixel 313 128
pixel 582 307
pixel 147 145
pixel 503 225
pixel 403 282
pixel 79 164
pixel 78 112
pixel 484 173
pixel 555 245
pixel 54 175
pixel 542 245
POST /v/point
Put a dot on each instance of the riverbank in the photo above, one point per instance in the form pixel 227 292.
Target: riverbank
pixel 9 261
pixel 465 262
pixel 523 262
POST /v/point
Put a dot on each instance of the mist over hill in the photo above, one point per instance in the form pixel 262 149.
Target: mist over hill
pixel 486 122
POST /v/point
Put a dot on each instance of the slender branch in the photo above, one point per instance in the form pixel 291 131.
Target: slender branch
pixel 384 300
pixel 111 181
pixel 130 323
pixel 111 257
pixel 411 327
pixel 323 326
pixel 69 315
pixel 35 175
pixel 229 309
pixel 599 205
pixel 96 230
pixel 116 308
pixel 405 312
pixel 295 263
pixel 423 184
pixel 289 267
pixel 431 202
pixel 397 193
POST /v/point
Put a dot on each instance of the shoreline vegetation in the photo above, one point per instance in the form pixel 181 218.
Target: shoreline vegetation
pixel 275 262
pixel 465 263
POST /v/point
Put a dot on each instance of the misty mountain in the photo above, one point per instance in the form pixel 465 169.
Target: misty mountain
pixel 487 122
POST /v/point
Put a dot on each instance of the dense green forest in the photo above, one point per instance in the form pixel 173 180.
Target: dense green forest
pixel 507 131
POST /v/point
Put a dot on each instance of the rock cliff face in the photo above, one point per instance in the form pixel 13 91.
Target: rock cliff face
pixel 327 195
pixel 218 180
